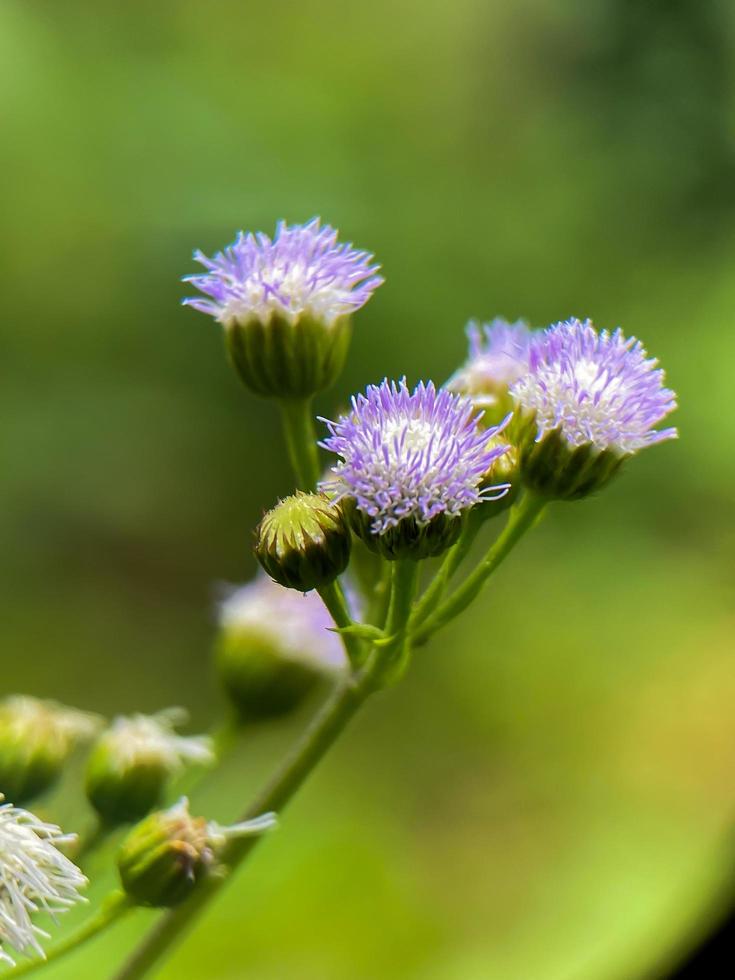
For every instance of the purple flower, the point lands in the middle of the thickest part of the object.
(298, 625)
(595, 387)
(411, 454)
(302, 270)
(498, 356)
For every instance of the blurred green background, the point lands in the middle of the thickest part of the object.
(548, 795)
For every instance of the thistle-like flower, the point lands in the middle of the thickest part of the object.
(593, 398)
(285, 304)
(132, 761)
(498, 356)
(274, 645)
(412, 464)
(34, 877)
(165, 856)
(36, 739)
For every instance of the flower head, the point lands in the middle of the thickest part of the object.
(302, 270)
(596, 388)
(153, 738)
(297, 625)
(132, 761)
(410, 457)
(498, 356)
(163, 858)
(36, 739)
(34, 877)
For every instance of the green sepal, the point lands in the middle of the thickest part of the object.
(281, 358)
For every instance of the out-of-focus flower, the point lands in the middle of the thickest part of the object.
(34, 877)
(165, 856)
(36, 739)
(274, 645)
(498, 356)
(412, 464)
(133, 760)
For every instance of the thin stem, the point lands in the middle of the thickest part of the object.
(307, 753)
(404, 581)
(452, 560)
(298, 428)
(112, 909)
(522, 516)
(333, 598)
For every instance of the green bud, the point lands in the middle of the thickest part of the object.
(408, 539)
(260, 682)
(273, 648)
(36, 739)
(163, 858)
(284, 359)
(131, 763)
(303, 543)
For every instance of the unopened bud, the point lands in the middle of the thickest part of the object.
(304, 542)
(273, 648)
(36, 739)
(165, 856)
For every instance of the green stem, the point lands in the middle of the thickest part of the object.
(112, 909)
(298, 427)
(453, 559)
(522, 516)
(333, 598)
(404, 581)
(307, 753)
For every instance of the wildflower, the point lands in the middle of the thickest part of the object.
(34, 877)
(498, 356)
(412, 464)
(132, 761)
(36, 739)
(274, 646)
(286, 304)
(165, 856)
(593, 398)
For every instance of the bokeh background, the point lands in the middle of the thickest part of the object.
(549, 794)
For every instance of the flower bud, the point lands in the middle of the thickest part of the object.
(165, 856)
(304, 542)
(274, 647)
(36, 739)
(133, 760)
